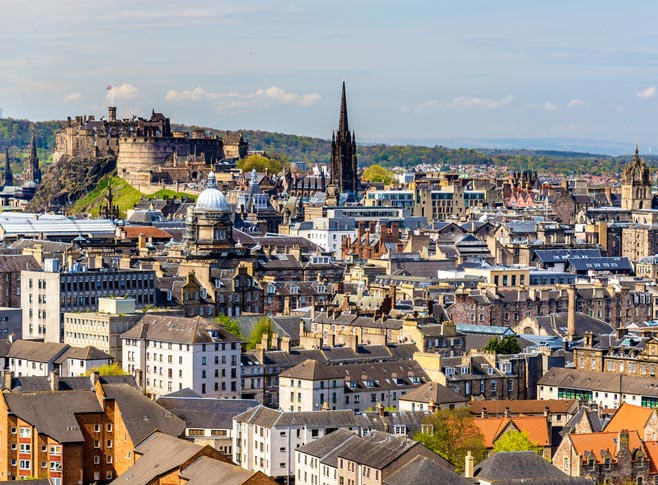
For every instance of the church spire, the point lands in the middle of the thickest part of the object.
(343, 126)
(33, 149)
(8, 179)
(33, 173)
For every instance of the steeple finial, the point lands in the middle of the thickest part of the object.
(343, 126)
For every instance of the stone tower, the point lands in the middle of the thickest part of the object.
(8, 178)
(343, 154)
(33, 172)
(636, 185)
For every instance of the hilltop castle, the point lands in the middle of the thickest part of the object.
(147, 151)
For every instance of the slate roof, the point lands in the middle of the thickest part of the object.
(378, 449)
(322, 447)
(13, 263)
(141, 415)
(84, 353)
(160, 454)
(601, 264)
(555, 324)
(433, 392)
(206, 413)
(527, 407)
(169, 328)
(522, 467)
(423, 470)
(599, 381)
(34, 351)
(53, 413)
(208, 471)
(552, 256)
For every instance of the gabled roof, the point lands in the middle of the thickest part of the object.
(53, 413)
(598, 443)
(522, 467)
(378, 449)
(34, 351)
(632, 418)
(322, 447)
(206, 413)
(423, 470)
(527, 407)
(433, 392)
(208, 471)
(493, 427)
(140, 415)
(168, 328)
(84, 353)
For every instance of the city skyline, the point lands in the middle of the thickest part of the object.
(416, 72)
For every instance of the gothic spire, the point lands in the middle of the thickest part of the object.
(33, 149)
(343, 126)
(8, 179)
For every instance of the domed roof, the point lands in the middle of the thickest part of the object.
(211, 197)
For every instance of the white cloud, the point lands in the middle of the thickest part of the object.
(123, 91)
(650, 92)
(235, 100)
(73, 97)
(548, 106)
(575, 103)
(461, 103)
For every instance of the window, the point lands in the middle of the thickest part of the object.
(25, 448)
(109, 427)
(97, 444)
(25, 432)
(109, 443)
(108, 459)
(97, 428)
(55, 466)
(97, 460)
(25, 464)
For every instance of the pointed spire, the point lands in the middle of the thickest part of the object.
(33, 149)
(8, 179)
(343, 126)
(637, 151)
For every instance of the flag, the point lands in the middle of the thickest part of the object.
(109, 87)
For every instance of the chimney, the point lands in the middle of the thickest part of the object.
(547, 410)
(141, 242)
(373, 227)
(507, 411)
(395, 231)
(392, 294)
(469, 466)
(362, 229)
(483, 413)
(380, 408)
(589, 339)
(302, 329)
(620, 331)
(8, 378)
(54, 380)
(285, 344)
(571, 316)
(265, 341)
(94, 377)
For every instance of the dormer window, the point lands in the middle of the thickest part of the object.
(294, 289)
(370, 383)
(450, 371)
(415, 379)
(464, 369)
(271, 289)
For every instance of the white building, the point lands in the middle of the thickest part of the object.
(30, 358)
(265, 439)
(168, 353)
(317, 462)
(326, 232)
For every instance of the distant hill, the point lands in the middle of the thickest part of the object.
(15, 134)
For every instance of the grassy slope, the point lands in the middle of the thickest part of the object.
(123, 194)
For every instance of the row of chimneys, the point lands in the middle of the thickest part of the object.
(53, 379)
(483, 413)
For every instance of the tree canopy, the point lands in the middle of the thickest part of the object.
(516, 441)
(230, 325)
(452, 433)
(260, 163)
(113, 369)
(507, 345)
(263, 326)
(377, 173)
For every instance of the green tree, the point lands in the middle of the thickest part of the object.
(453, 434)
(108, 370)
(260, 163)
(377, 173)
(516, 441)
(507, 345)
(230, 324)
(263, 326)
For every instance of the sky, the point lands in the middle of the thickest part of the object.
(416, 71)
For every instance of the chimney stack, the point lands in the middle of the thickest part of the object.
(8, 378)
(469, 465)
(54, 380)
(571, 316)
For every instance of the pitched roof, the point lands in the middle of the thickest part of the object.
(208, 471)
(206, 413)
(378, 449)
(133, 232)
(529, 406)
(140, 415)
(433, 392)
(493, 427)
(84, 353)
(598, 443)
(630, 417)
(311, 370)
(160, 454)
(423, 470)
(36, 351)
(169, 328)
(322, 447)
(521, 467)
(53, 413)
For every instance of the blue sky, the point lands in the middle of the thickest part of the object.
(415, 70)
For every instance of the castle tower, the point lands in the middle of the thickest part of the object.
(636, 185)
(33, 172)
(8, 178)
(343, 154)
